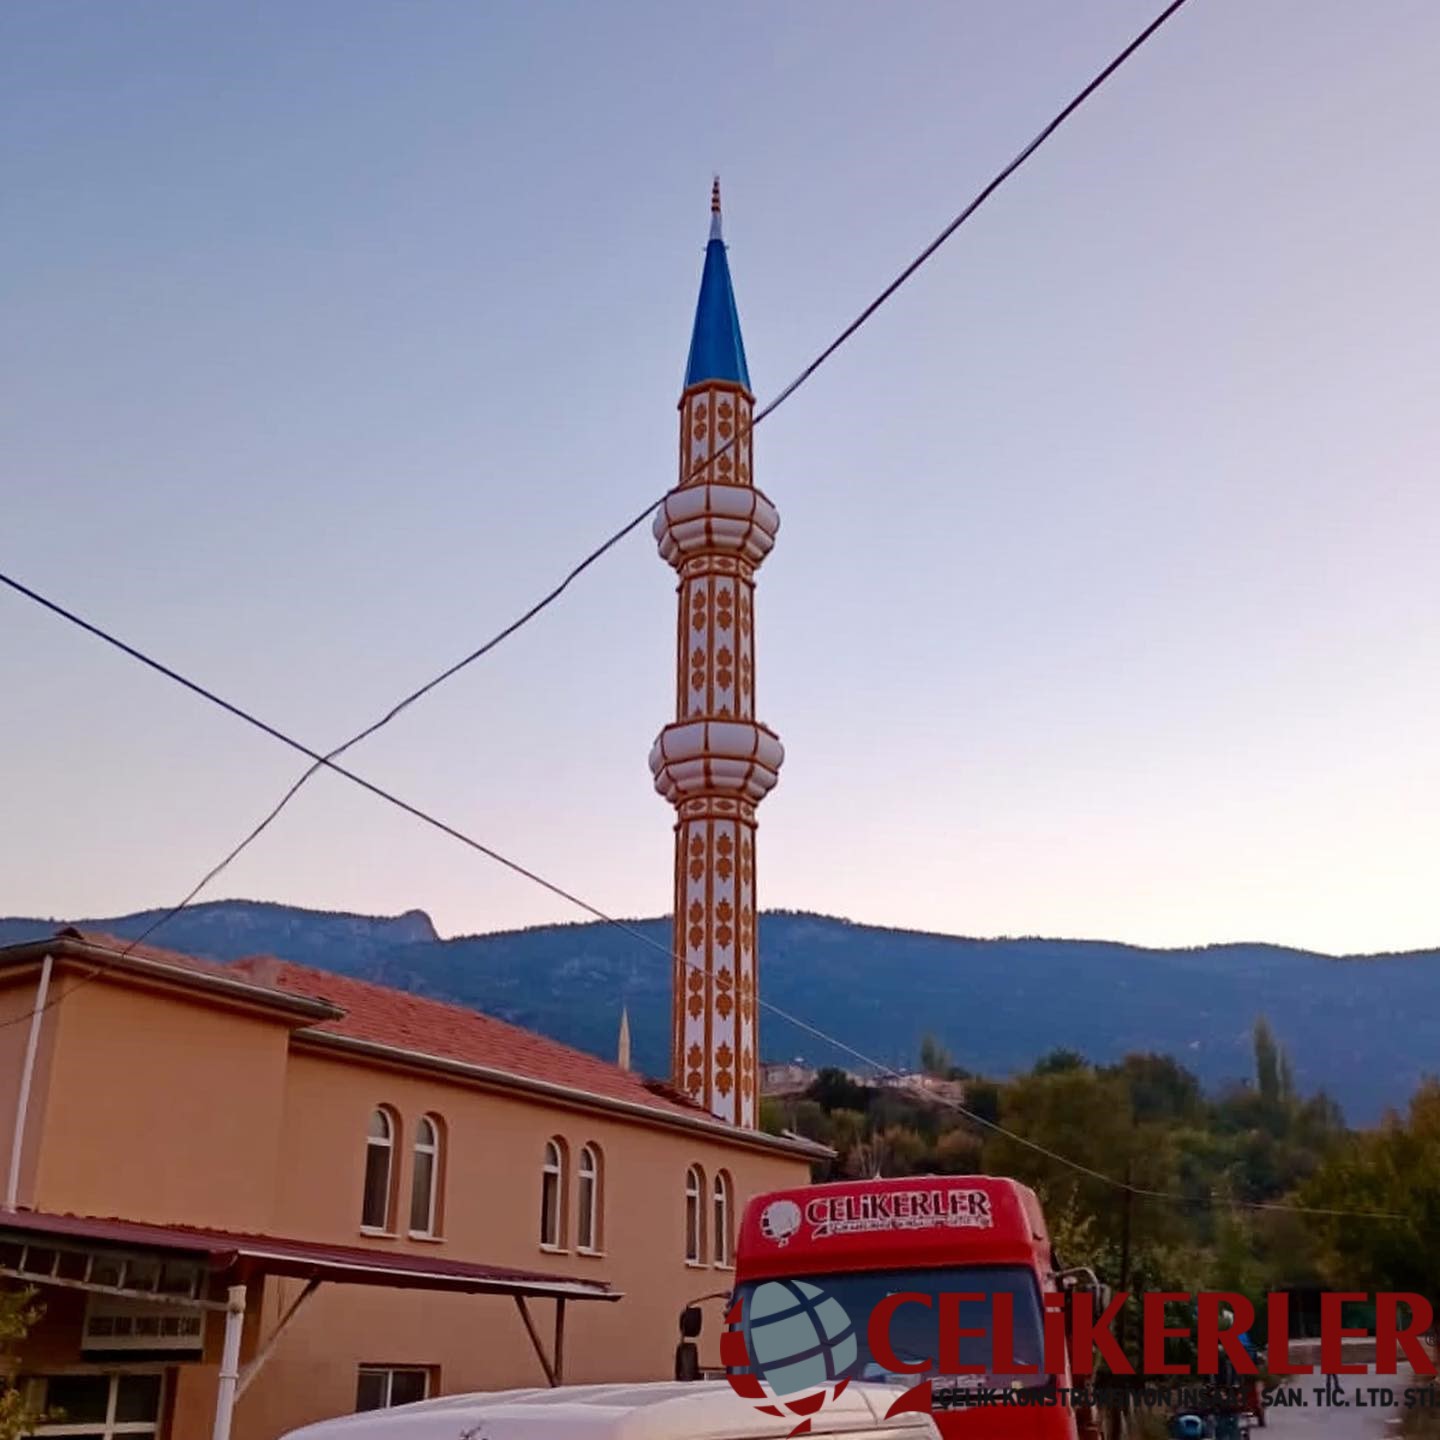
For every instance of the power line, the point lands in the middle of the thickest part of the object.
(321, 761)
(593, 910)
(1141, 1192)
(890, 1072)
(765, 410)
(972, 207)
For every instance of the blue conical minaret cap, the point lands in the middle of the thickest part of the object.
(716, 350)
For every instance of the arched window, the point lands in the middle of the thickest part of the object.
(379, 1164)
(722, 1212)
(552, 1196)
(590, 1220)
(695, 1216)
(425, 1182)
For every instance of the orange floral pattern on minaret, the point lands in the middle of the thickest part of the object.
(715, 762)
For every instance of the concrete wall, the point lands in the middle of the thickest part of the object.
(162, 1107)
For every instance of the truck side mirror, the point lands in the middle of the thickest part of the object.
(687, 1361)
(691, 1320)
(1079, 1277)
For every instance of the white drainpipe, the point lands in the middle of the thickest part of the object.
(229, 1361)
(22, 1106)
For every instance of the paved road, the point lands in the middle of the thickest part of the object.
(1361, 1416)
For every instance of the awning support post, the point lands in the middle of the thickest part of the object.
(263, 1354)
(559, 1351)
(550, 1377)
(229, 1361)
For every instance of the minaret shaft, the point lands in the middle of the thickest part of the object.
(715, 762)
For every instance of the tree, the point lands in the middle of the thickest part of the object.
(1089, 1148)
(907, 1151)
(958, 1152)
(847, 1134)
(897, 1106)
(1160, 1087)
(1392, 1171)
(1075, 1115)
(1058, 1061)
(1073, 1234)
(833, 1089)
(773, 1118)
(18, 1313)
(810, 1120)
(934, 1058)
(982, 1098)
(1269, 1075)
(1236, 1265)
(1092, 1140)
(1287, 1080)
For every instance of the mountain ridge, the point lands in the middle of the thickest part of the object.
(1366, 1028)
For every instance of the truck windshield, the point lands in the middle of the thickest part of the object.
(914, 1328)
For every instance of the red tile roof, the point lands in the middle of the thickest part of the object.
(404, 1021)
(433, 1029)
(453, 1032)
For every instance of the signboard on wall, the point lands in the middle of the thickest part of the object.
(115, 1323)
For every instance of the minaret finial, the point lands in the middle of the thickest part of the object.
(716, 349)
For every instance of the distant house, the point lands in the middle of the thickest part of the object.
(785, 1078)
(923, 1086)
(283, 1194)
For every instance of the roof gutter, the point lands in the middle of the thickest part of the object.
(505, 1080)
(304, 1007)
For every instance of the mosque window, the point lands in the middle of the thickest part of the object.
(552, 1196)
(589, 1212)
(694, 1216)
(723, 1209)
(377, 1202)
(425, 1178)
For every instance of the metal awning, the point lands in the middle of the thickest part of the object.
(117, 1258)
(239, 1257)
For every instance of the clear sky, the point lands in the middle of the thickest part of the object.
(1106, 596)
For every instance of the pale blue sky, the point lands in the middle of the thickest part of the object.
(1106, 594)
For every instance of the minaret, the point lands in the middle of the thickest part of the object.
(622, 1048)
(715, 763)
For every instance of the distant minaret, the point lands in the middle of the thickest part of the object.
(715, 763)
(622, 1056)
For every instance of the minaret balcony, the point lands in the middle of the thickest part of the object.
(714, 519)
(696, 758)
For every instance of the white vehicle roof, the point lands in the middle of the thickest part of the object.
(666, 1410)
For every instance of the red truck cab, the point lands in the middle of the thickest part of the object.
(978, 1236)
